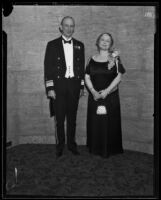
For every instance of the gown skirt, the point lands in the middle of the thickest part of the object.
(104, 133)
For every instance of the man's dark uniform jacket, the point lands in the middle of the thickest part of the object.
(55, 65)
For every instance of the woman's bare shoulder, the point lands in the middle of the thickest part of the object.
(95, 56)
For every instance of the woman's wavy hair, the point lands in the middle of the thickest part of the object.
(99, 37)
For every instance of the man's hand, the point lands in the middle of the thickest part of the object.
(82, 93)
(52, 94)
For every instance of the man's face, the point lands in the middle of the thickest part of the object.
(68, 27)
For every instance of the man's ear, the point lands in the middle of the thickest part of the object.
(60, 29)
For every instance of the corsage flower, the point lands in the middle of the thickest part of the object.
(115, 53)
(112, 58)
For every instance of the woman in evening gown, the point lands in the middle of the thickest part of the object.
(102, 77)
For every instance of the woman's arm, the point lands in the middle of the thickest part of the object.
(114, 83)
(89, 84)
(112, 87)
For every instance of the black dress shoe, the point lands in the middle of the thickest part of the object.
(74, 151)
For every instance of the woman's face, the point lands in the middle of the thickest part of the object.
(104, 42)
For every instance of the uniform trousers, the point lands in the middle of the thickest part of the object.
(67, 98)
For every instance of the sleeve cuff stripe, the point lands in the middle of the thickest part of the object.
(49, 83)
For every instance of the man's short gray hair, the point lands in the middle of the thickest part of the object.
(66, 17)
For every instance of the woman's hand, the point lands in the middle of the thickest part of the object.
(96, 95)
(82, 93)
(103, 93)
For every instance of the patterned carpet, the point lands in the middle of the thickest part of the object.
(39, 173)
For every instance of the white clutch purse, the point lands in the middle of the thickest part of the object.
(101, 110)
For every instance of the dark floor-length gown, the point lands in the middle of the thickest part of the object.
(104, 134)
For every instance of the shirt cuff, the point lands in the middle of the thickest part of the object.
(49, 85)
(82, 84)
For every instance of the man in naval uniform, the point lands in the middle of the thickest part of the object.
(64, 80)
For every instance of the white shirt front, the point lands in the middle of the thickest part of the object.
(68, 51)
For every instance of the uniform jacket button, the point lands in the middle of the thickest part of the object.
(58, 58)
(58, 76)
